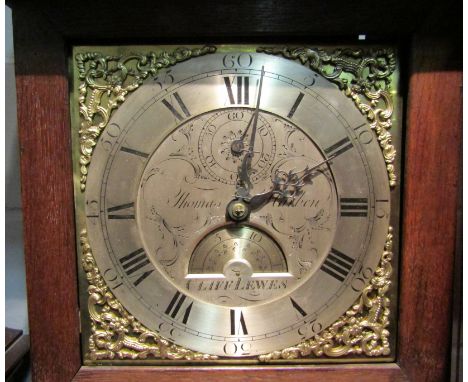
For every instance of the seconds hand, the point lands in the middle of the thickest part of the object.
(243, 191)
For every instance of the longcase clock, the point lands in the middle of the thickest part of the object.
(234, 204)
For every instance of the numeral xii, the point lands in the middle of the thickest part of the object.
(242, 94)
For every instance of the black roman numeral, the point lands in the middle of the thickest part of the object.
(175, 305)
(337, 265)
(238, 323)
(295, 105)
(173, 110)
(298, 308)
(354, 207)
(134, 152)
(134, 262)
(121, 215)
(339, 147)
(242, 84)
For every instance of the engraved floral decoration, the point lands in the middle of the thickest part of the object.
(365, 77)
(115, 333)
(106, 81)
(362, 330)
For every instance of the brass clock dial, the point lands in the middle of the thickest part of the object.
(237, 203)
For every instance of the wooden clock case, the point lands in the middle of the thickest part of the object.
(430, 41)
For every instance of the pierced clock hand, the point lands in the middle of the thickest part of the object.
(286, 185)
(244, 178)
(237, 146)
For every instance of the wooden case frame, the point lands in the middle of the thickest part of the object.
(43, 33)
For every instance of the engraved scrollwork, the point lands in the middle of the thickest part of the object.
(115, 333)
(365, 77)
(362, 330)
(106, 81)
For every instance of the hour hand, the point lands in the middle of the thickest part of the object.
(245, 185)
(286, 185)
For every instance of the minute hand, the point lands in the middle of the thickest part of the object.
(247, 161)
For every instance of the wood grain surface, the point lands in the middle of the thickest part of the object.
(182, 22)
(44, 32)
(47, 198)
(361, 373)
(429, 212)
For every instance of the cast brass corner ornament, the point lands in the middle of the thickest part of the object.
(106, 81)
(116, 334)
(365, 77)
(362, 330)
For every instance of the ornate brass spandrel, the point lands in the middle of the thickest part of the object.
(362, 330)
(365, 77)
(106, 81)
(116, 334)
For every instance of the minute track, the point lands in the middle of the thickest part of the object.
(175, 167)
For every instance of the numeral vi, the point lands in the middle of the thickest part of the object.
(238, 325)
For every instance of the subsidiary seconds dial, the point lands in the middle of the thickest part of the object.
(171, 161)
(215, 145)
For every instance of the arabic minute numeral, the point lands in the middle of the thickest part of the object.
(242, 60)
(239, 348)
